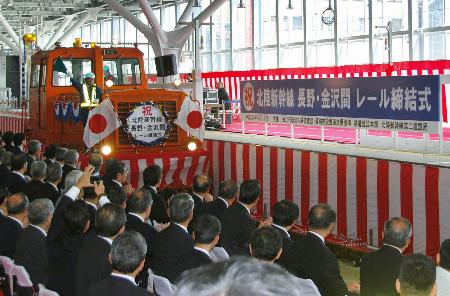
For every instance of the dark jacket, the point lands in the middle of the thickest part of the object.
(92, 263)
(15, 183)
(117, 286)
(196, 258)
(171, 249)
(62, 256)
(223, 96)
(198, 210)
(57, 224)
(237, 226)
(309, 258)
(379, 271)
(149, 233)
(4, 173)
(31, 253)
(9, 232)
(287, 241)
(215, 208)
(39, 189)
(159, 209)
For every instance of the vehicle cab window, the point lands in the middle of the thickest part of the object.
(78, 67)
(122, 71)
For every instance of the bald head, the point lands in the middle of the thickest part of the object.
(17, 204)
(201, 184)
(397, 232)
(321, 216)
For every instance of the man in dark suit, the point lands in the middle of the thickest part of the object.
(139, 207)
(34, 150)
(12, 225)
(75, 181)
(8, 138)
(63, 251)
(5, 167)
(396, 238)
(49, 154)
(70, 164)
(152, 176)
(284, 214)
(54, 176)
(127, 258)
(174, 243)
(93, 263)
(31, 246)
(417, 276)
(309, 258)
(36, 188)
(19, 143)
(206, 235)
(117, 176)
(59, 156)
(200, 193)
(16, 179)
(237, 224)
(228, 192)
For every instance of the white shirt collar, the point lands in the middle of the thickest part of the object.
(1, 212)
(39, 228)
(92, 204)
(17, 220)
(223, 200)
(71, 165)
(137, 215)
(282, 228)
(244, 207)
(124, 276)
(184, 228)
(394, 247)
(117, 183)
(203, 251)
(318, 235)
(154, 188)
(34, 158)
(110, 241)
(19, 173)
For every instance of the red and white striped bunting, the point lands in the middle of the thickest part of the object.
(364, 192)
(177, 167)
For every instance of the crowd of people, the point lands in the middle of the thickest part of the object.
(90, 233)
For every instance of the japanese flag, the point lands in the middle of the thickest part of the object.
(190, 118)
(101, 122)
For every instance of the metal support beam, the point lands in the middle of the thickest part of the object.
(177, 38)
(144, 29)
(8, 29)
(84, 18)
(8, 42)
(153, 21)
(185, 15)
(59, 32)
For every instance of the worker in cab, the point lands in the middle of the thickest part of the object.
(90, 94)
(108, 76)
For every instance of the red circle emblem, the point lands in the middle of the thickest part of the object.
(97, 124)
(195, 119)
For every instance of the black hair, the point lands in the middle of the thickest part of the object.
(18, 161)
(284, 213)
(417, 275)
(18, 138)
(152, 175)
(249, 191)
(75, 216)
(109, 219)
(444, 253)
(206, 228)
(265, 243)
(228, 189)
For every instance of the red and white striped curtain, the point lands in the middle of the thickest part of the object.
(364, 192)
